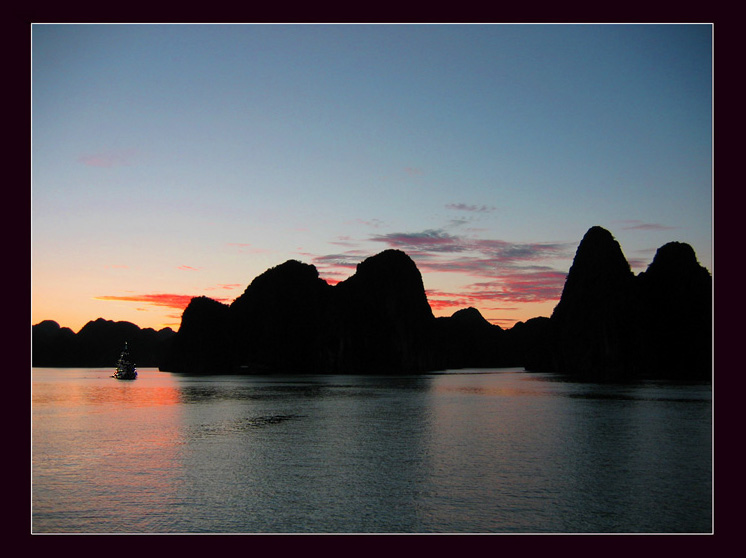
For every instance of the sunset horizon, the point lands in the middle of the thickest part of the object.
(532, 295)
(173, 161)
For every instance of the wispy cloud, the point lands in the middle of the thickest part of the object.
(345, 261)
(636, 225)
(168, 300)
(188, 268)
(637, 263)
(432, 240)
(108, 159)
(460, 222)
(225, 287)
(522, 285)
(373, 223)
(334, 268)
(442, 300)
(345, 242)
(502, 271)
(470, 208)
(513, 286)
(494, 252)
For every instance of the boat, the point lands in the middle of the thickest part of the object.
(125, 367)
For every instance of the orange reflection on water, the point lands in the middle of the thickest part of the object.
(485, 384)
(97, 440)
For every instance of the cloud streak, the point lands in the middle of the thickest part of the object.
(470, 208)
(636, 225)
(225, 286)
(496, 252)
(108, 159)
(515, 286)
(521, 286)
(168, 300)
(503, 272)
(432, 240)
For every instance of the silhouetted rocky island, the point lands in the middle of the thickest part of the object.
(611, 324)
(290, 320)
(608, 325)
(97, 344)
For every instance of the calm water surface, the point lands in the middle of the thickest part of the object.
(487, 451)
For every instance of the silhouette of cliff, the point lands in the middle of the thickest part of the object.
(608, 325)
(277, 323)
(467, 340)
(52, 345)
(612, 325)
(97, 344)
(290, 320)
(675, 323)
(379, 320)
(530, 344)
(594, 320)
(202, 344)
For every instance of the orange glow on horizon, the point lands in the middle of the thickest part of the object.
(164, 309)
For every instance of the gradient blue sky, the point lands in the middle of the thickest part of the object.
(171, 161)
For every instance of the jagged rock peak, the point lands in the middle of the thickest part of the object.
(103, 324)
(292, 279)
(599, 270)
(599, 254)
(387, 261)
(47, 326)
(674, 258)
(470, 316)
(390, 279)
(291, 270)
(390, 270)
(201, 306)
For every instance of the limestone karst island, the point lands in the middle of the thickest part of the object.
(609, 324)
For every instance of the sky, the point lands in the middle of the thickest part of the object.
(173, 161)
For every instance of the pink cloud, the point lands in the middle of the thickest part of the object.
(505, 273)
(337, 267)
(521, 286)
(505, 323)
(517, 286)
(636, 263)
(432, 240)
(468, 265)
(168, 300)
(440, 300)
(188, 268)
(227, 287)
(437, 241)
(108, 159)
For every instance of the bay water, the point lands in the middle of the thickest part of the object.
(467, 451)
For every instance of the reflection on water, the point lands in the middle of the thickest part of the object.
(472, 451)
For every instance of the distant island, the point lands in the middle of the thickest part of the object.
(609, 324)
(97, 344)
